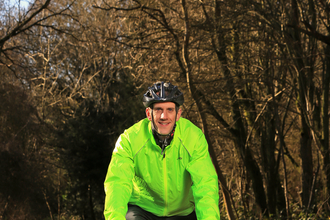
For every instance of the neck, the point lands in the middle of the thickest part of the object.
(163, 140)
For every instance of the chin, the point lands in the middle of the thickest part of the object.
(163, 133)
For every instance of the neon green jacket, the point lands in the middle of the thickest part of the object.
(176, 182)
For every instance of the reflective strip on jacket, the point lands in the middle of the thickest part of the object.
(176, 182)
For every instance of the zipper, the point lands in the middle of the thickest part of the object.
(165, 184)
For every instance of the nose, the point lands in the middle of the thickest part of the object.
(163, 115)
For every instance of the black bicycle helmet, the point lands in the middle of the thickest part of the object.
(163, 92)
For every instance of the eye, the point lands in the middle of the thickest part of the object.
(157, 110)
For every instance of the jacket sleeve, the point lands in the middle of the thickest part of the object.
(118, 181)
(205, 182)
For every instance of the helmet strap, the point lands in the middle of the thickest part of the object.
(162, 140)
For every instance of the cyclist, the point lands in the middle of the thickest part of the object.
(160, 167)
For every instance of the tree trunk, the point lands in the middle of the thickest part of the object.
(307, 167)
(325, 117)
(184, 63)
(303, 102)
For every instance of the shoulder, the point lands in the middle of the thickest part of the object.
(138, 127)
(187, 128)
(188, 132)
(138, 131)
(134, 136)
(191, 136)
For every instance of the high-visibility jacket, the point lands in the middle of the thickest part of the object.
(169, 183)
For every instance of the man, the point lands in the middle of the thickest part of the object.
(160, 167)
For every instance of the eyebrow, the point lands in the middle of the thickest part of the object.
(169, 108)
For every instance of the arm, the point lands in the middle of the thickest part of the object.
(205, 182)
(118, 182)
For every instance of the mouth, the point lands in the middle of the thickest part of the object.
(163, 123)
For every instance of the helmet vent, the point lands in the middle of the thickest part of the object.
(163, 92)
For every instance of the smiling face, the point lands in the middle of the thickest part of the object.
(164, 115)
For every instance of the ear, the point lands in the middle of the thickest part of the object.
(148, 113)
(178, 114)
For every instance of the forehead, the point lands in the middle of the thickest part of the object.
(164, 105)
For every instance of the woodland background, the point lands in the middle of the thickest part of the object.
(255, 74)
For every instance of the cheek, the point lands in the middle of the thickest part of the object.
(173, 118)
(152, 115)
(156, 118)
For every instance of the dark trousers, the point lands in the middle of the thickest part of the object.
(136, 213)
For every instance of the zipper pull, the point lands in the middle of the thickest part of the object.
(163, 151)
